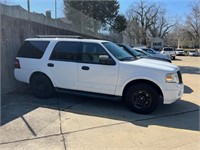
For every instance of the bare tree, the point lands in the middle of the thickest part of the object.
(160, 26)
(193, 22)
(149, 19)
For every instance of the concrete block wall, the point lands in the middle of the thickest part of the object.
(13, 32)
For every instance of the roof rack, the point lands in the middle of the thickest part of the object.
(59, 36)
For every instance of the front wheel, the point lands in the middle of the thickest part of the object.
(42, 86)
(142, 98)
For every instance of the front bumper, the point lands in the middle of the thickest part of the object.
(171, 95)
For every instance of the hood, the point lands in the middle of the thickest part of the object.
(154, 64)
(158, 55)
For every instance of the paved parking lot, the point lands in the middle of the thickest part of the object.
(74, 122)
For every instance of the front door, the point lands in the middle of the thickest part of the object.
(93, 76)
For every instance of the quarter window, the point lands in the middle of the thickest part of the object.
(33, 49)
(65, 51)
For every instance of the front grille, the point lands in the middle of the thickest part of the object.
(180, 77)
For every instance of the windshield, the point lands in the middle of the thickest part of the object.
(116, 51)
(134, 52)
(151, 51)
(141, 52)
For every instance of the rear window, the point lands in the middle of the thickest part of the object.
(33, 49)
(168, 49)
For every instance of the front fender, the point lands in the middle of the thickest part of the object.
(120, 88)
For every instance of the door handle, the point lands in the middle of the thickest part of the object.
(50, 65)
(85, 68)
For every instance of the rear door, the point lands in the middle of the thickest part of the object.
(63, 64)
(93, 76)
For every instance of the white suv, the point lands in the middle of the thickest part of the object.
(96, 68)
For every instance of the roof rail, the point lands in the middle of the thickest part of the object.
(59, 36)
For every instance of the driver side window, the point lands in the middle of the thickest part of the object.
(91, 53)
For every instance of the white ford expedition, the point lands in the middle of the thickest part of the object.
(96, 67)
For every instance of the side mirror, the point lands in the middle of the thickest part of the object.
(104, 59)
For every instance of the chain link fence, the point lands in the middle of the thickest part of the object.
(61, 23)
(87, 26)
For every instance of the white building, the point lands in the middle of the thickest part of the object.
(157, 43)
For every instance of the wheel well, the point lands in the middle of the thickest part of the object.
(38, 73)
(142, 81)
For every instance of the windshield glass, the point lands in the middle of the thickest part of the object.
(134, 52)
(151, 51)
(119, 53)
(142, 53)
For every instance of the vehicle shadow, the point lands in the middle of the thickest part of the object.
(180, 115)
(190, 70)
(187, 89)
(177, 59)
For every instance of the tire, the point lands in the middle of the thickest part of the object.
(142, 98)
(42, 86)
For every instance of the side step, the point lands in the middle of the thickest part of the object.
(90, 94)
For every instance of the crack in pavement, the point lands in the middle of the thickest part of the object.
(23, 140)
(124, 122)
(132, 121)
(59, 115)
(29, 127)
(77, 103)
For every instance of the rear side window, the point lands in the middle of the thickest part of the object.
(33, 49)
(66, 51)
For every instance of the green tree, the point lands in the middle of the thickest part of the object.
(79, 12)
(119, 24)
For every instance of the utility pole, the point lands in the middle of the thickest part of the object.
(28, 6)
(55, 9)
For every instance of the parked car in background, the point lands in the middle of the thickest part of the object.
(156, 55)
(193, 52)
(97, 68)
(139, 53)
(180, 52)
(169, 51)
(156, 49)
(150, 51)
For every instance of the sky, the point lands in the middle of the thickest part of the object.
(175, 8)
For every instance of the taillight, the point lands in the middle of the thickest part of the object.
(17, 64)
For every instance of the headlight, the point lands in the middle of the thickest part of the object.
(172, 78)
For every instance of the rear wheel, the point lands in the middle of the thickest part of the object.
(42, 86)
(142, 98)
(173, 57)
